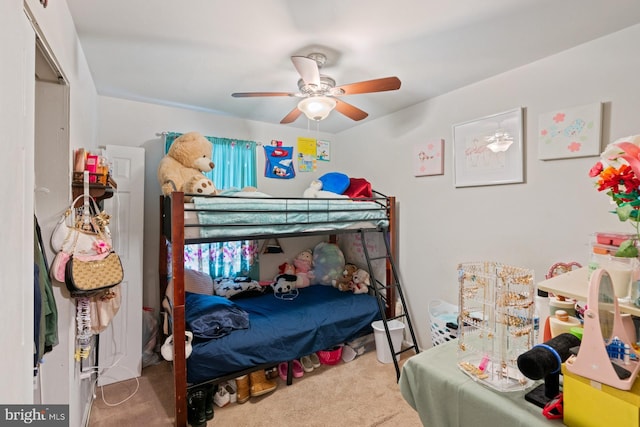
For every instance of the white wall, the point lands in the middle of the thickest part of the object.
(548, 218)
(16, 186)
(17, 40)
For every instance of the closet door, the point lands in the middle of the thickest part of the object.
(120, 345)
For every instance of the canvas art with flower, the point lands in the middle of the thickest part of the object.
(618, 173)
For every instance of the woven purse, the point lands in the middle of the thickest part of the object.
(88, 277)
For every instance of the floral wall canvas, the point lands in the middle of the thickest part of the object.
(570, 132)
(428, 158)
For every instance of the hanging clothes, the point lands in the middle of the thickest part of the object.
(48, 319)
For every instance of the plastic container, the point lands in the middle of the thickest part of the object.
(614, 239)
(443, 316)
(396, 330)
(561, 323)
(330, 356)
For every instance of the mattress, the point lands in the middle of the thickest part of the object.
(282, 330)
(241, 217)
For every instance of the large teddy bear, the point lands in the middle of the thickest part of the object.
(181, 169)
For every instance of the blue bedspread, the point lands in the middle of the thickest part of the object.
(280, 330)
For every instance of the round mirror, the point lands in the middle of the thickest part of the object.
(606, 308)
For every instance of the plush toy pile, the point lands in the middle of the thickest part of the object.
(181, 169)
(324, 265)
(345, 282)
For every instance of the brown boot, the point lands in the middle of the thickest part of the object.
(243, 388)
(260, 384)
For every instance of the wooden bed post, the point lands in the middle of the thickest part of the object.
(391, 296)
(177, 273)
(163, 269)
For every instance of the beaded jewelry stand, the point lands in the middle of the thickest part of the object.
(496, 317)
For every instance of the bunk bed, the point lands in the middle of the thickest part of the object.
(187, 219)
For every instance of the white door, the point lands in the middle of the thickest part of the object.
(120, 345)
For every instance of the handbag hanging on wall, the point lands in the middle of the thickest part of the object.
(86, 277)
(85, 261)
(104, 307)
(85, 233)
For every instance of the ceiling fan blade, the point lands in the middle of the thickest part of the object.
(354, 113)
(376, 85)
(253, 94)
(292, 116)
(308, 69)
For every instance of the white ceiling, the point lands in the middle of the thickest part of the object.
(195, 53)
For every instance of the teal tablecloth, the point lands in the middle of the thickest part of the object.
(444, 396)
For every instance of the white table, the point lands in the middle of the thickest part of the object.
(575, 284)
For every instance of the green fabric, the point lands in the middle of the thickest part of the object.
(49, 313)
(234, 159)
(444, 396)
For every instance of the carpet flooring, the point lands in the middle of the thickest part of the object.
(361, 393)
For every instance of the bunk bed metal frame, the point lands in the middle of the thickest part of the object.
(172, 233)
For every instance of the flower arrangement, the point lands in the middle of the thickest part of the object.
(618, 173)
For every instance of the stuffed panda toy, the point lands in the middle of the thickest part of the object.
(284, 286)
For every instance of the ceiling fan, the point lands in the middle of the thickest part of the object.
(319, 92)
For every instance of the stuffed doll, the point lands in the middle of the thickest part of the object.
(302, 264)
(360, 282)
(345, 282)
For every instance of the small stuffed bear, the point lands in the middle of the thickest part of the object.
(360, 282)
(181, 169)
(302, 264)
(345, 282)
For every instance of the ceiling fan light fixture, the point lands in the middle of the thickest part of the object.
(500, 141)
(317, 107)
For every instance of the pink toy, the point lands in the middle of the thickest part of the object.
(302, 264)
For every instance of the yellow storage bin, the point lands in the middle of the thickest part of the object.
(588, 403)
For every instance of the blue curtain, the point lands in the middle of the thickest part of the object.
(235, 167)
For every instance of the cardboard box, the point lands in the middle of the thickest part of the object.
(589, 403)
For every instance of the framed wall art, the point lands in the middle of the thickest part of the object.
(489, 150)
(428, 158)
(570, 132)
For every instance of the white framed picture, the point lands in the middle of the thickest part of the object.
(489, 150)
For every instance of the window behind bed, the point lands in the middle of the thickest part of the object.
(235, 167)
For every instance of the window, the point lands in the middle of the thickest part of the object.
(235, 168)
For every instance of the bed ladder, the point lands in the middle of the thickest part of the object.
(385, 291)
